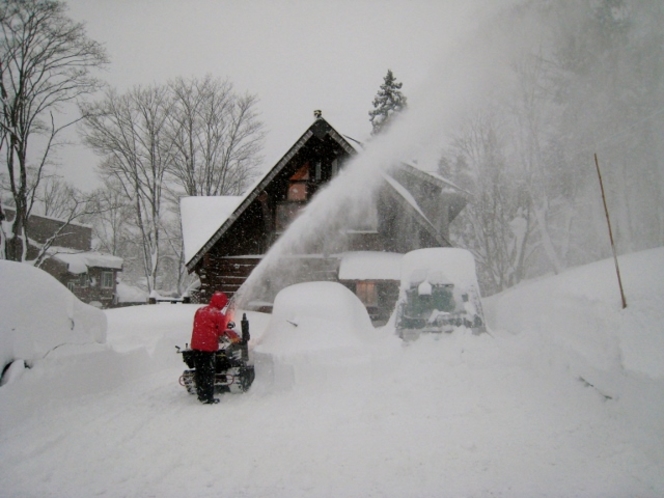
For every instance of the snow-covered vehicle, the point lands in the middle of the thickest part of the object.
(438, 293)
(233, 371)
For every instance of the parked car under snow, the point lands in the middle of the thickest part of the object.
(438, 293)
(316, 333)
(39, 314)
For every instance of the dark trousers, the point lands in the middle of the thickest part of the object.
(204, 375)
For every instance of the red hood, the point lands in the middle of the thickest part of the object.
(218, 300)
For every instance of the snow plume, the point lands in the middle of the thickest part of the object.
(469, 72)
(319, 230)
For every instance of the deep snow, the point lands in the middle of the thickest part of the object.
(564, 397)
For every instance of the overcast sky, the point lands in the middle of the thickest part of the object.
(296, 56)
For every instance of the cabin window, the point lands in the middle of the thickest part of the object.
(71, 285)
(297, 187)
(107, 280)
(297, 191)
(367, 292)
(84, 280)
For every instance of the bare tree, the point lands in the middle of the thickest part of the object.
(55, 197)
(128, 132)
(497, 224)
(78, 206)
(217, 137)
(111, 221)
(45, 61)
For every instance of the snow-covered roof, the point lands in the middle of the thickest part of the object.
(431, 176)
(79, 262)
(404, 193)
(407, 199)
(370, 265)
(201, 218)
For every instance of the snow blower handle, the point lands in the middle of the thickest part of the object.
(245, 329)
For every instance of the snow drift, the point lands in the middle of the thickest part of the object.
(580, 311)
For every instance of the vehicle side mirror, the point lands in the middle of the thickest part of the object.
(231, 325)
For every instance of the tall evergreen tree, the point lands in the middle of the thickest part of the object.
(388, 100)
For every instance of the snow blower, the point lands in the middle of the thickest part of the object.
(233, 372)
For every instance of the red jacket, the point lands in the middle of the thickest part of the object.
(210, 324)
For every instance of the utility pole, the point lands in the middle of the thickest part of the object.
(613, 246)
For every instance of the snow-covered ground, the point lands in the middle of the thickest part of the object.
(564, 397)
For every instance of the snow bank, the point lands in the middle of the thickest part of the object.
(39, 314)
(580, 311)
(130, 294)
(500, 414)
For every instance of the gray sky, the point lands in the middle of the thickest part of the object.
(295, 55)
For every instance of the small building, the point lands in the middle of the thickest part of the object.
(91, 276)
(226, 237)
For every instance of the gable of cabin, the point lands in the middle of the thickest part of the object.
(282, 199)
(270, 207)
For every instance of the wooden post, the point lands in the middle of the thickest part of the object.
(613, 247)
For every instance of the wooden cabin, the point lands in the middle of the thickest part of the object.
(226, 237)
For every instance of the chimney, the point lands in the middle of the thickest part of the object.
(318, 114)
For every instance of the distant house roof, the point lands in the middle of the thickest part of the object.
(80, 262)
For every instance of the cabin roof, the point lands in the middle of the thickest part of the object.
(401, 195)
(206, 219)
(201, 218)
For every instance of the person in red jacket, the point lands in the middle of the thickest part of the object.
(210, 324)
